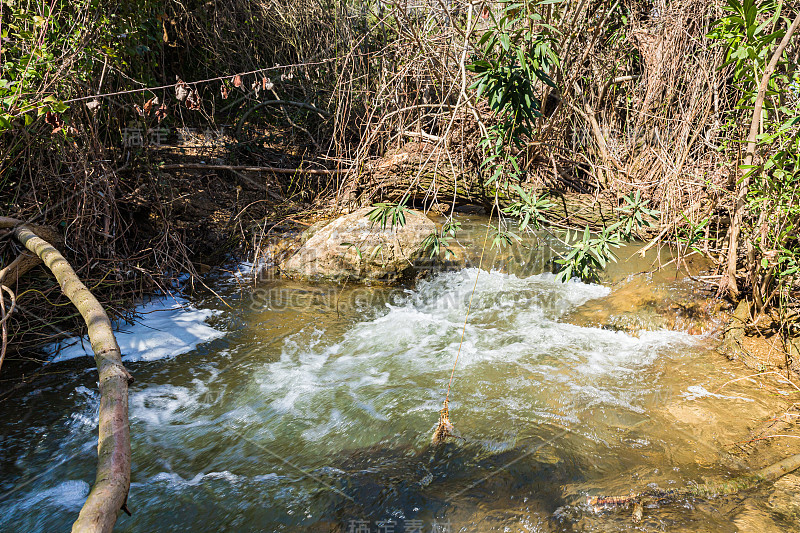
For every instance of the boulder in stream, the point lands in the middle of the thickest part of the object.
(354, 248)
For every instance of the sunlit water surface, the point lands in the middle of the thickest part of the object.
(314, 412)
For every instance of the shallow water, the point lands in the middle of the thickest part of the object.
(314, 412)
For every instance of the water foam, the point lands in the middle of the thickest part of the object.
(164, 327)
(397, 364)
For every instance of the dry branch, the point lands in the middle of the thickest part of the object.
(767, 474)
(274, 170)
(18, 267)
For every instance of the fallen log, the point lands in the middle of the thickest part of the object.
(422, 178)
(110, 491)
(425, 177)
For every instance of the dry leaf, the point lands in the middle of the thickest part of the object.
(162, 17)
(267, 84)
(181, 90)
(224, 91)
(51, 118)
(193, 100)
(54, 120)
(148, 106)
(237, 81)
(161, 113)
(138, 110)
(93, 105)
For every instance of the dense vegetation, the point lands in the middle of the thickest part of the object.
(680, 114)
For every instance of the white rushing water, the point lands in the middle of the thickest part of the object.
(391, 371)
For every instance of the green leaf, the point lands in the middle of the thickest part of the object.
(505, 41)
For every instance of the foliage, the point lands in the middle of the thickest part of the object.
(590, 254)
(438, 242)
(49, 50)
(542, 75)
(517, 52)
(634, 215)
(530, 208)
(749, 32)
(503, 237)
(393, 214)
(692, 234)
(515, 61)
(517, 57)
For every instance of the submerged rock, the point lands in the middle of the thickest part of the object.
(354, 248)
(638, 306)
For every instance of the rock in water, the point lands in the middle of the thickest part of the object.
(354, 248)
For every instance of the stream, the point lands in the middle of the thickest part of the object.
(310, 407)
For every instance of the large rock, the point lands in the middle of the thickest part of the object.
(354, 248)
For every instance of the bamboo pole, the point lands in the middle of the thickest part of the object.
(110, 491)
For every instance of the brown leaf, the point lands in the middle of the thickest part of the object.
(237, 81)
(193, 100)
(148, 106)
(267, 84)
(139, 110)
(54, 120)
(161, 113)
(181, 90)
(225, 92)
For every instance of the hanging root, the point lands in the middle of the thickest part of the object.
(444, 428)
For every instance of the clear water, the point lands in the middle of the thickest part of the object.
(315, 410)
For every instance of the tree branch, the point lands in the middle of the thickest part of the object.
(110, 491)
